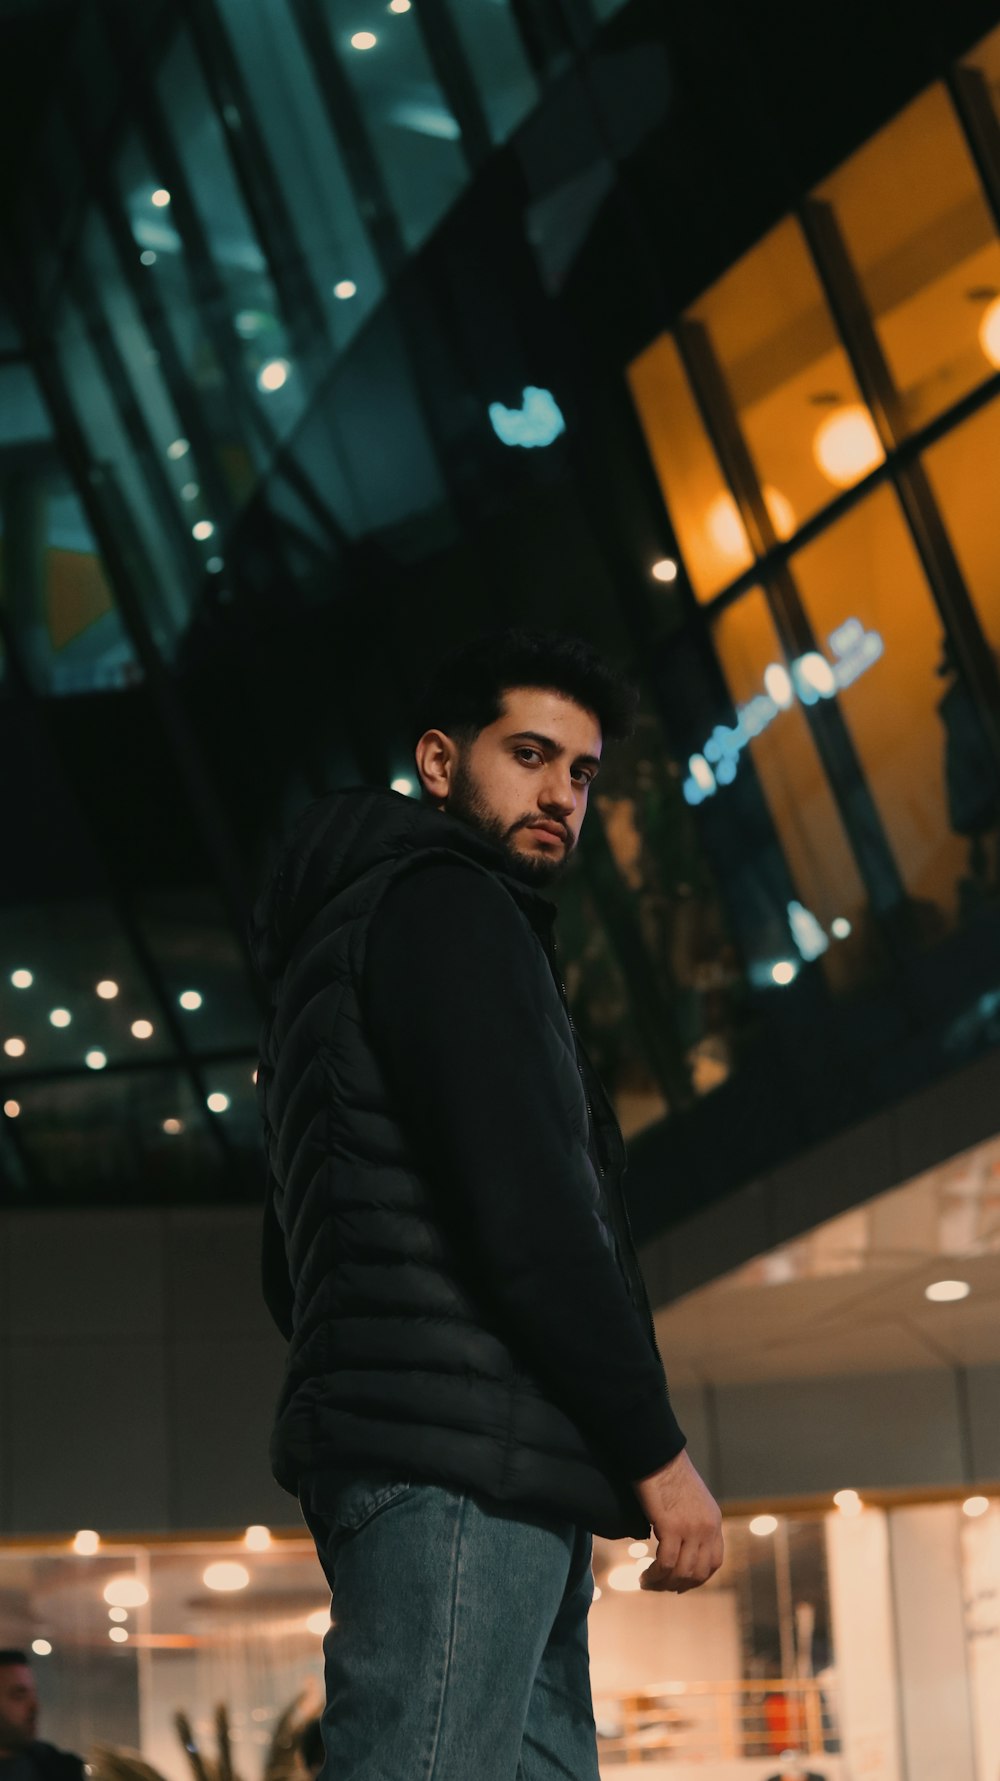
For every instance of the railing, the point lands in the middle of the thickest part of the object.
(718, 1720)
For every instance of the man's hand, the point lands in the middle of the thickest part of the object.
(687, 1527)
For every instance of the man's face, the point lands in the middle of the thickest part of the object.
(18, 1707)
(523, 782)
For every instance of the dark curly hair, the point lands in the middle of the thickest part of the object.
(465, 692)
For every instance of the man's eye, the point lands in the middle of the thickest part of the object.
(533, 752)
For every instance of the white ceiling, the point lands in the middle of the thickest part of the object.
(849, 1296)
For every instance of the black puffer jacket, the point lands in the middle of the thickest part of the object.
(396, 1361)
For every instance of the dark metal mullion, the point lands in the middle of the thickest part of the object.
(119, 901)
(970, 95)
(926, 526)
(835, 745)
(150, 308)
(262, 190)
(541, 33)
(347, 123)
(450, 63)
(129, 1066)
(209, 291)
(134, 422)
(123, 558)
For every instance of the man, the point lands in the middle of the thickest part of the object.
(473, 1386)
(22, 1757)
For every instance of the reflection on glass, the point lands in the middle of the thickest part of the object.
(254, 316)
(197, 958)
(960, 468)
(490, 38)
(788, 378)
(921, 239)
(819, 858)
(307, 160)
(656, 847)
(97, 1135)
(895, 711)
(412, 130)
(702, 510)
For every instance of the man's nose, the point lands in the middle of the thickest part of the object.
(559, 794)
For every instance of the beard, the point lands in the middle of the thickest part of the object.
(467, 803)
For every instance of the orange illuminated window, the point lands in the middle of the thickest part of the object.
(704, 515)
(798, 794)
(921, 239)
(865, 569)
(962, 470)
(789, 379)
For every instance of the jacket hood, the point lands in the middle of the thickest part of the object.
(336, 841)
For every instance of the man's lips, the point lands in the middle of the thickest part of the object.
(544, 828)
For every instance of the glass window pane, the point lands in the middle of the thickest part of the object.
(90, 650)
(307, 159)
(492, 42)
(960, 470)
(95, 1137)
(254, 312)
(414, 135)
(812, 836)
(922, 241)
(789, 379)
(865, 570)
(702, 511)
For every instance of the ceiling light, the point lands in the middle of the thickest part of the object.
(345, 288)
(95, 1060)
(107, 989)
(780, 512)
(257, 1538)
(664, 570)
(41, 1647)
(364, 40)
(725, 527)
(989, 332)
(405, 786)
(86, 1541)
(848, 1502)
(147, 257)
(126, 1592)
(946, 1292)
(60, 1017)
(225, 1576)
(161, 197)
(214, 565)
(178, 448)
(12, 1109)
(142, 1029)
(173, 1126)
(975, 1506)
(22, 979)
(202, 529)
(14, 1047)
(318, 1622)
(639, 1549)
(190, 999)
(118, 1635)
(189, 491)
(217, 1103)
(778, 685)
(840, 927)
(598, 1592)
(762, 1525)
(273, 375)
(399, 5)
(784, 972)
(118, 1615)
(847, 446)
(254, 1079)
(626, 1577)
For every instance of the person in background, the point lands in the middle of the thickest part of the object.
(22, 1756)
(473, 1385)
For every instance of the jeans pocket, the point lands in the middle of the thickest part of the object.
(348, 1504)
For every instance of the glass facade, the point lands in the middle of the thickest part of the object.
(296, 287)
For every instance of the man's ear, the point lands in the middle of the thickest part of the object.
(436, 756)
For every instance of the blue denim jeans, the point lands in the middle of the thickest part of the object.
(458, 1650)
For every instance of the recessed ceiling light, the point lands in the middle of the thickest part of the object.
(345, 288)
(946, 1292)
(257, 1538)
(95, 1060)
(12, 1109)
(60, 1017)
(142, 1029)
(41, 1647)
(15, 1047)
(126, 1592)
(118, 1615)
(318, 1622)
(218, 1103)
(273, 375)
(86, 1541)
(762, 1525)
(973, 1507)
(664, 570)
(364, 40)
(117, 1635)
(107, 989)
(173, 1126)
(190, 999)
(161, 197)
(178, 448)
(202, 529)
(147, 257)
(22, 979)
(225, 1576)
